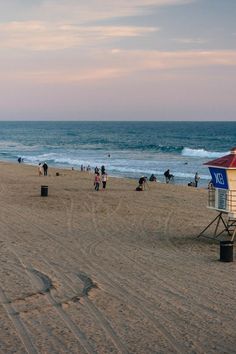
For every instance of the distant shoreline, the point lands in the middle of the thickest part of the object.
(62, 168)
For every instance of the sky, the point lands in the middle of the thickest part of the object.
(118, 60)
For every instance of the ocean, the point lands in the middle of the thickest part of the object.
(127, 149)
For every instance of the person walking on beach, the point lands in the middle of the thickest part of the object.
(196, 179)
(168, 176)
(45, 169)
(97, 181)
(40, 171)
(104, 180)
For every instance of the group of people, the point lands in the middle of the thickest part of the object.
(100, 178)
(194, 183)
(84, 168)
(142, 183)
(43, 169)
(168, 177)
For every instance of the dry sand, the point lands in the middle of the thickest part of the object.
(118, 271)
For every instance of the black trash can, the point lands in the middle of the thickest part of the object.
(44, 191)
(226, 251)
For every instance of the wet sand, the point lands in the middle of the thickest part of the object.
(115, 271)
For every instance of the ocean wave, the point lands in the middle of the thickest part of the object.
(187, 152)
(151, 148)
(54, 159)
(169, 149)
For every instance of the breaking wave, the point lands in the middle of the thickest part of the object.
(187, 152)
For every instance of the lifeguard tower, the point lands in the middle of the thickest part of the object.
(222, 194)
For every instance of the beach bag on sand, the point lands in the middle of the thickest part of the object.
(139, 189)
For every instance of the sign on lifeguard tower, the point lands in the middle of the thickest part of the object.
(219, 178)
(222, 192)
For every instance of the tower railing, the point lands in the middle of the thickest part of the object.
(222, 199)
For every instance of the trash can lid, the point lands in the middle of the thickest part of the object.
(226, 243)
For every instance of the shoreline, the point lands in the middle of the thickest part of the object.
(60, 167)
(135, 149)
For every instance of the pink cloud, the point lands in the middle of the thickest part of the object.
(44, 36)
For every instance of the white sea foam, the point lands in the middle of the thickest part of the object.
(131, 167)
(187, 152)
(39, 157)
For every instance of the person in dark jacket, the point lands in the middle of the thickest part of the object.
(168, 176)
(103, 170)
(152, 178)
(45, 169)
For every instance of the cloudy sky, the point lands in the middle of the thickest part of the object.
(117, 60)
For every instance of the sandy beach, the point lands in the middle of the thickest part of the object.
(115, 271)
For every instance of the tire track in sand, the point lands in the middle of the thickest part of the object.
(46, 286)
(100, 319)
(131, 298)
(20, 328)
(43, 285)
(117, 289)
(135, 303)
(93, 310)
(182, 297)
